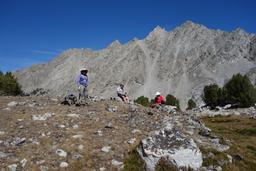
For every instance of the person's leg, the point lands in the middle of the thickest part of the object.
(126, 98)
(121, 96)
(85, 93)
(79, 93)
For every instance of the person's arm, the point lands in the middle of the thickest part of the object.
(86, 81)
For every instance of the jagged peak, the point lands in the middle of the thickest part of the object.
(135, 39)
(158, 28)
(76, 50)
(87, 49)
(239, 31)
(157, 31)
(114, 44)
(191, 25)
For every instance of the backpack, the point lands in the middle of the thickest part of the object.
(69, 99)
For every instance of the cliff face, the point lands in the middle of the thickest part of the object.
(180, 62)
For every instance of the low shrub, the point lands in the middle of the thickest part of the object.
(172, 100)
(191, 104)
(211, 95)
(133, 161)
(144, 101)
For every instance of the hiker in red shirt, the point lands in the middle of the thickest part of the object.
(159, 99)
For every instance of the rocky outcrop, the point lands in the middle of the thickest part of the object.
(172, 145)
(180, 62)
(177, 142)
(225, 111)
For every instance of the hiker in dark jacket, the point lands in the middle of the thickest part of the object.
(82, 84)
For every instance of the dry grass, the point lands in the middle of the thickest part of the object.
(133, 162)
(163, 165)
(240, 130)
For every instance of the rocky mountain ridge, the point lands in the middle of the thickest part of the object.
(180, 62)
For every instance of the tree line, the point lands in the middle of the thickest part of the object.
(9, 85)
(238, 91)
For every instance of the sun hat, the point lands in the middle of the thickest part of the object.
(158, 93)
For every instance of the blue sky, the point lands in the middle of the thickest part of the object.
(36, 31)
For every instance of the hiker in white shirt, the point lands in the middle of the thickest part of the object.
(121, 93)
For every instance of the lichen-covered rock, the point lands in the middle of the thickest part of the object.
(106, 149)
(172, 145)
(12, 167)
(42, 117)
(61, 153)
(63, 164)
(12, 104)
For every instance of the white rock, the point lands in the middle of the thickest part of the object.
(169, 108)
(106, 149)
(2, 132)
(62, 126)
(18, 141)
(99, 132)
(35, 142)
(172, 145)
(131, 141)
(12, 167)
(44, 168)
(230, 159)
(218, 168)
(136, 131)
(61, 153)
(203, 169)
(42, 117)
(227, 106)
(80, 147)
(40, 162)
(32, 105)
(55, 100)
(7, 109)
(75, 126)
(112, 108)
(22, 103)
(77, 156)
(79, 136)
(4, 155)
(23, 162)
(12, 104)
(73, 115)
(236, 113)
(102, 168)
(63, 164)
(116, 163)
